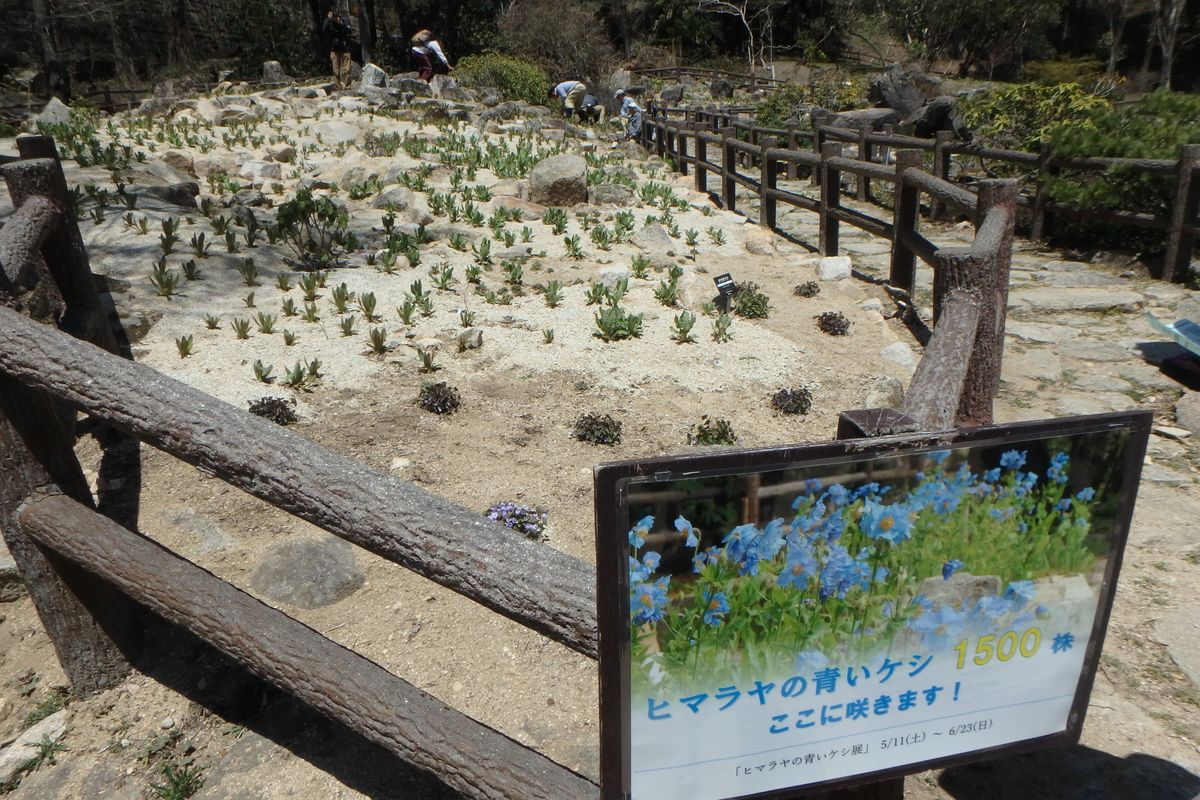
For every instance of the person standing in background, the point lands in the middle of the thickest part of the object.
(425, 48)
(341, 38)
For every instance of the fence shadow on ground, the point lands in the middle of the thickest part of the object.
(183, 663)
(1071, 773)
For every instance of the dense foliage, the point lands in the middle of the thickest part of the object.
(515, 78)
(832, 90)
(1023, 116)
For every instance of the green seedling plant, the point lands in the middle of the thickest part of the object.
(474, 274)
(181, 781)
(426, 355)
(596, 294)
(366, 304)
(241, 328)
(720, 328)
(184, 345)
(573, 247)
(341, 297)
(143, 226)
(466, 317)
(483, 252)
(514, 273)
(602, 237)
(640, 266)
(265, 322)
(212, 321)
(249, 300)
(405, 311)
(377, 337)
(249, 272)
(458, 242)
(716, 236)
(553, 294)
(289, 338)
(614, 323)
(283, 283)
(615, 293)
(681, 330)
(309, 284)
(262, 372)
(425, 306)
(231, 242)
(347, 325)
(191, 270)
(199, 245)
(548, 336)
(296, 377)
(443, 277)
(310, 313)
(288, 308)
(556, 218)
(165, 281)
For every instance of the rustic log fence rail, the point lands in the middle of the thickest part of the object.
(89, 575)
(669, 131)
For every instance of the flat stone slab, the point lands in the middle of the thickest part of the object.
(1093, 403)
(309, 573)
(1180, 631)
(1081, 279)
(19, 753)
(1072, 299)
(1040, 332)
(1091, 350)
(1038, 365)
(1160, 474)
(1096, 382)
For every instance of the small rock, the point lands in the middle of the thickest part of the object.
(609, 277)
(1179, 434)
(760, 244)
(514, 203)
(610, 194)
(874, 304)
(181, 160)
(272, 72)
(309, 573)
(1179, 630)
(283, 153)
(899, 353)
(372, 76)
(167, 723)
(470, 339)
(1160, 474)
(834, 268)
(672, 94)
(654, 238)
(886, 392)
(12, 588)
(54, 112)
(399, 463)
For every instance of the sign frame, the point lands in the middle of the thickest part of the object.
(612, 524)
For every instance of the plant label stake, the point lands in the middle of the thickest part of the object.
(725, 286)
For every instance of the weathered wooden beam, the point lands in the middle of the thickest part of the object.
(902, 272)
(469, 757)
(831, 199)
(933, 393)
(1180, 240)
(21, 241)
(533, 584)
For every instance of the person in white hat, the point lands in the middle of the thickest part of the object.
(631, 112)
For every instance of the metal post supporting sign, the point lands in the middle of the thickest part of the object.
(788, 622)
(725, 287)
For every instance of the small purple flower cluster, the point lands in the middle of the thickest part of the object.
(523, 519)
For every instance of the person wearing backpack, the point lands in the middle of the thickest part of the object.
(425, 48)
(341, 39)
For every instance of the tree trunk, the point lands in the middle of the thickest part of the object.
(1166, 28)
(45, 30)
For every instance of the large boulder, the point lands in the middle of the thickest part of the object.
(672, 94)
(55, 112)
(559, 181)
(439, 85)
(272, 72)
(720, 89)
(939, 114)
(902, 89)
(373, 76)
(515, 203)
(410, 83)
(610, 194)
(873, 118)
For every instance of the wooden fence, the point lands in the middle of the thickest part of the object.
(1180, 224)
(90, 574)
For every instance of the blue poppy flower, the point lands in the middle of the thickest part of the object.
(888, 522)
(950, 567)
(801, 566)
(638, 532)
(1013, 459)
(683, 526)
(810, 661)
(1058, 467)
(992, 475)
(716, 606)
(648, 601)
(1085, 495)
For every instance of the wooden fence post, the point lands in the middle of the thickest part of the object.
(818, 134)
(767, 181)
(681, 157)
(941, 169)
(792, 144)
(1181, 241)
(1039, 226)
(906, 202)
(831, 198)
(982, 381)
(701, 174)
(728, 170)
(865, 153)
(660, 136)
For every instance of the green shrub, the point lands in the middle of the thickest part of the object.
(836, 91)
(515, 78)
(1154, 127)
(1084, 70)
(1023, 116)
(315, 229)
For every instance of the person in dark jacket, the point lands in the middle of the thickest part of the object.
(341, 38)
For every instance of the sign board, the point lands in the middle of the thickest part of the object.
(725, 284)
(781, 621)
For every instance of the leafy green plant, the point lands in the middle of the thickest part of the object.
(180, 781)
(681, 330)
(1024, 116)
(807, 289)
(165, 281)
(191, 270)
(553, 294)
(466, 317)
(241, 328)
(836, 91)
(483, 252)
(377, 337)
(797, 400)
(406, 311)
(443, 277)
(366, 304)
(262, 372)
(596, 294)
(231, 243)
(833, 323)
(427, 354)
(640, 266)
(347, 325)
(199, 245)
(513, 274)
(309, 284)
(212, 321)
(547, 335)
(296, 377)
(556, 218)
(249, 299)
(265, 322)
(614, 323)
(289, 338)
(249, 272)
(439, 398)
(750, 302)
(720, 328)
(597, 429)
(310, 312)
(573, 247)
(315, 229)
(712, 431)
(341, 296)
(716, 236)
(514, 77)
(184, 345)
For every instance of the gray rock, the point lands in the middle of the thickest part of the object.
(873, 118)
(17, 754)
(514, 203)
(372, 76)
(1088, 350)
(672, 94)
(410, 83)
(834, 268)
(620, 79)
(1070, 405)
(180, 160)
(55, 112)
(443, 86)
(1072, 299)
(211, 535)
(176, 194)
(610, 194)
(11, 586)
(1179, 630)
(901, 354)
(720, 89)
(1160, 474)
(961, 590)
(250, 198)
(283, 153)
(886, 392)
(400, 197)
(470, 339)
(899, 88)
(940, 114)
(490, 97)
(609, 277)
(1032, 364)
(272, 72)
(335, 131)
(1187, 412)
(1040, 332)
(1096, 382)
(309, 573)
(559, 181)
(518, 252)
(137, 322)
(653, 238)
